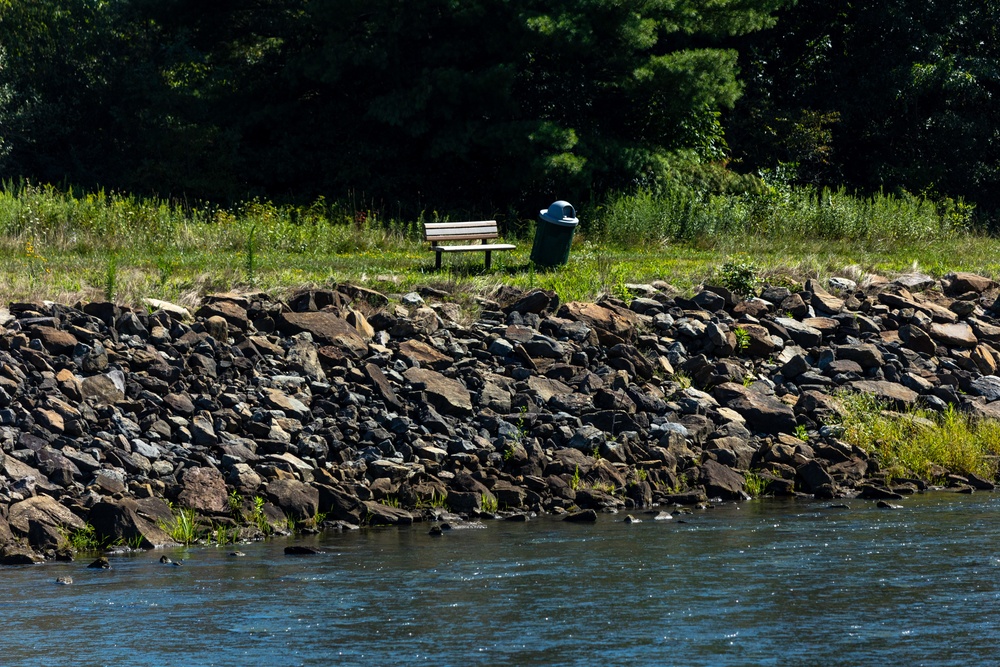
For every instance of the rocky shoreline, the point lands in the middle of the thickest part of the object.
(345, 407)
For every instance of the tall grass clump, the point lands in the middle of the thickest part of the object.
(184, 528)
(111, 278)
(644, 218)
(774, 211)
(250, 256)
(919, 442)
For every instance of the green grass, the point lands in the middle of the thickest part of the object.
(489, 504)
(755, 485)
(69, 247)
(258, 517)
(84, 539)
(435, 500)
(920, 442)
(184, 528)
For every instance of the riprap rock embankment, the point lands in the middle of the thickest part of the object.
(356, 408)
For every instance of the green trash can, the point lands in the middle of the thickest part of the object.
(554, 235)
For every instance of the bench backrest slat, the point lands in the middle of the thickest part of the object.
(460, 231)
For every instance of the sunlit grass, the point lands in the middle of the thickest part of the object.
(919, 442)
(54, 245)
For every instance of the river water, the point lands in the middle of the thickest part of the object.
(767, 582)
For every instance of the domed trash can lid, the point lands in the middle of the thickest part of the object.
(560, 213)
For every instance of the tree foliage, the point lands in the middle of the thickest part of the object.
(426, 103)
(487, 104)
(899, 94)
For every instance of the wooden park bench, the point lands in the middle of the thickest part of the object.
(483, 230)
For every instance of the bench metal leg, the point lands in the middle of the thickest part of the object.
(489, 259)
(437, 260)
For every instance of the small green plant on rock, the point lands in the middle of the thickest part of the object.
(683, 379)
(489, 504)
(522, 430)
(258, 517)
(742, 338)
(84, 539)
(801, 432)
(184, 527)
(234, 502)
(755, 485)
(225, 535)
(436, 500)
(574, 481)
(606, 487)
(740, 276)
(134, 542)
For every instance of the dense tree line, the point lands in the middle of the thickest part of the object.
(487, 104)
(891, 95)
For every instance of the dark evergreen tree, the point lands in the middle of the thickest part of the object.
(894, 95)
(429, 103)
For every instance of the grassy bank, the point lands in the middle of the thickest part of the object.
(67, 247)
(921, 443)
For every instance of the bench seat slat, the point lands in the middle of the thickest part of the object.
(471, 248)
(449, 225)
(461, 237)
(462, 231)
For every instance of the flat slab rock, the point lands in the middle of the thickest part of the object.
(887, 391)
(447, 395)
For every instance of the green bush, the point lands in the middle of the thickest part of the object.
(740, 275)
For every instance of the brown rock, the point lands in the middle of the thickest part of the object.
(104, 389)
(424, 354)
(50, 420)
(447, 395)
(759, 343)
(276, 399)
(357, 320)
(117, 522)
(722, 481)
(180, 404)
(612, 325)
(762, 412)
(45, 510)
(891, 392)
(54, 340)
(546, 388)
(866, 355)
(218, 328)
(917, 339)
(232, 310)
(296, 499)
(339, 505)
(823, 300)
(955, 335)
(961, 282)
(326, 328)
(303, 358)
(985, 359)
(203, 489)
(377, 514)
(383, 387)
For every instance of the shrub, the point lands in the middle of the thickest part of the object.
(740, 275)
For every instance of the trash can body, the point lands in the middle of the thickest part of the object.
(554, 235)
